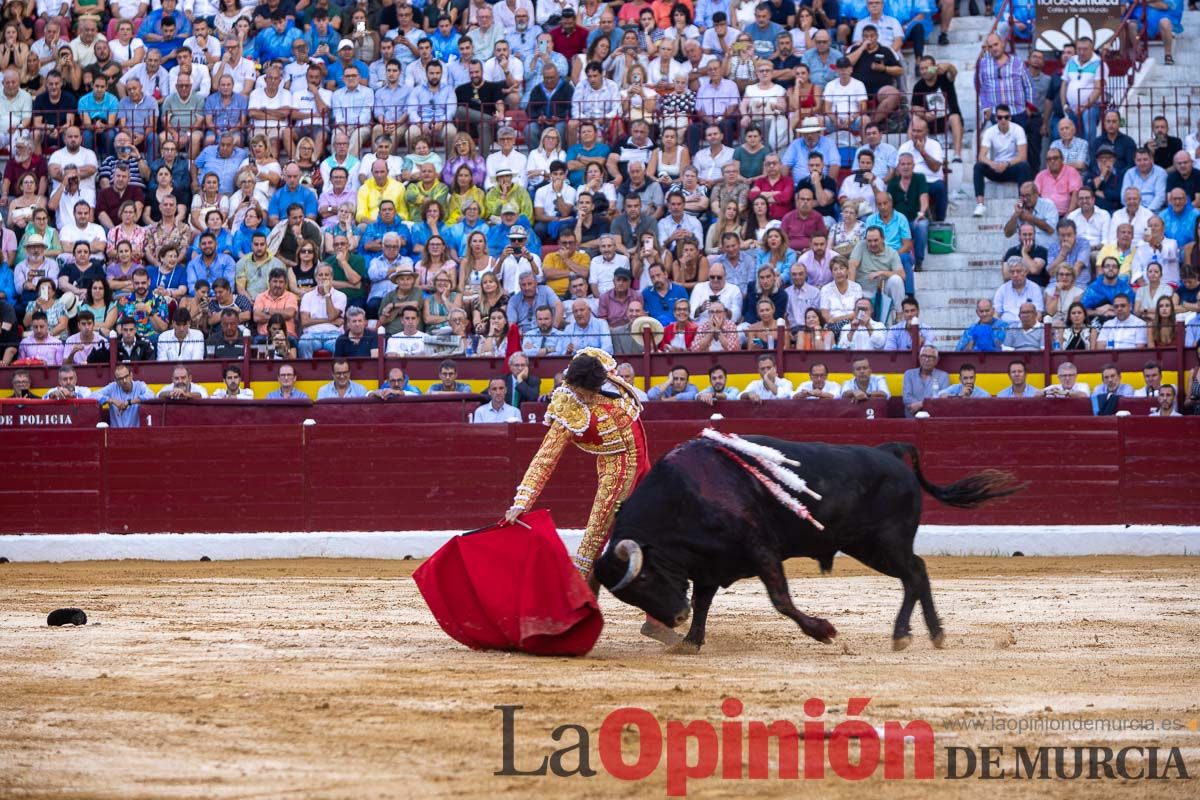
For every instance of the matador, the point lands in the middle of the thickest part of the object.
(598, 411)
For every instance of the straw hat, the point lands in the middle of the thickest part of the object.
(642, 323)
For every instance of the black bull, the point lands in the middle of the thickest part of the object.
(698, 516)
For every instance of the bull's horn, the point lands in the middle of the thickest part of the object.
(631, 551)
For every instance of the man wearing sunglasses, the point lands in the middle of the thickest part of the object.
(1002, 156)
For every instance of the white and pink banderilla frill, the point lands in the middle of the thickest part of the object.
(773, 473)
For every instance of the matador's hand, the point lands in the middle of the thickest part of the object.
(513, 514)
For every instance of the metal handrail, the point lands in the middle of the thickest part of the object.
(1000, 12)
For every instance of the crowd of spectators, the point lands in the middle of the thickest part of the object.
(1104, 233)
(182, 174)
(185, 177)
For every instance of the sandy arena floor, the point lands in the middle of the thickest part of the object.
(321, 678)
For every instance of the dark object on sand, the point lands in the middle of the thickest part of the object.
(67, 616)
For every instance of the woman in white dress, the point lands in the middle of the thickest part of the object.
(637, 99)
(742, 12)
(548, 151)
(839, 295)
(604, 194)
(681, 25)
(231, 11)
(806, 28)
(127, 50)
(629, 56)
(764, 104)
(208, 198)
(268, 175)
(667, 161)
(847, 231)
(474, 265)
(246, 196)
(1148, 293)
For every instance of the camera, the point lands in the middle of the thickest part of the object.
(713, 298)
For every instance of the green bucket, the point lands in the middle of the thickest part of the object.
(941, 238)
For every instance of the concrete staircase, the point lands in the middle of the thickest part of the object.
(1175, 82)
(949, 286)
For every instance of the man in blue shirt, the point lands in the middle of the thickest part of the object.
(122, 397)
(1097, 298)
(275, 42)
(291, 192)
(1018, 383)
(523, 304)
(677, 386)
(445, 40)
(151, 27)
(924, 381)
(898, 337)
(1069, 250)
(341, 387)
(1179, 217)
(225, 111)
(586, 330)
(209, 264)
(431, 108)
(986, 335)
(660, 296)
(287, 386)
(335, 78)
(763, 31)
(388, 221)
(99, 106)
(1148, 178)
(606, 27)
(896, 234)
(322, 37)
(497, 234)
(821, 59)
(811, 141)
(222, 159)
(1107, 395)
(449, 383)
(965, 387)
(588, 150)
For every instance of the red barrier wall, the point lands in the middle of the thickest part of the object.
(1080, 470)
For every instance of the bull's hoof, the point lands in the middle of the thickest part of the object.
(822, 630)
(901, 643)
(684, 648)
(661, 633)
(939, 640)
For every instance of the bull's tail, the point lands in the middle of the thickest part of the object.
(970, 492)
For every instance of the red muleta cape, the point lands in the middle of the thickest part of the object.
(506, 587)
